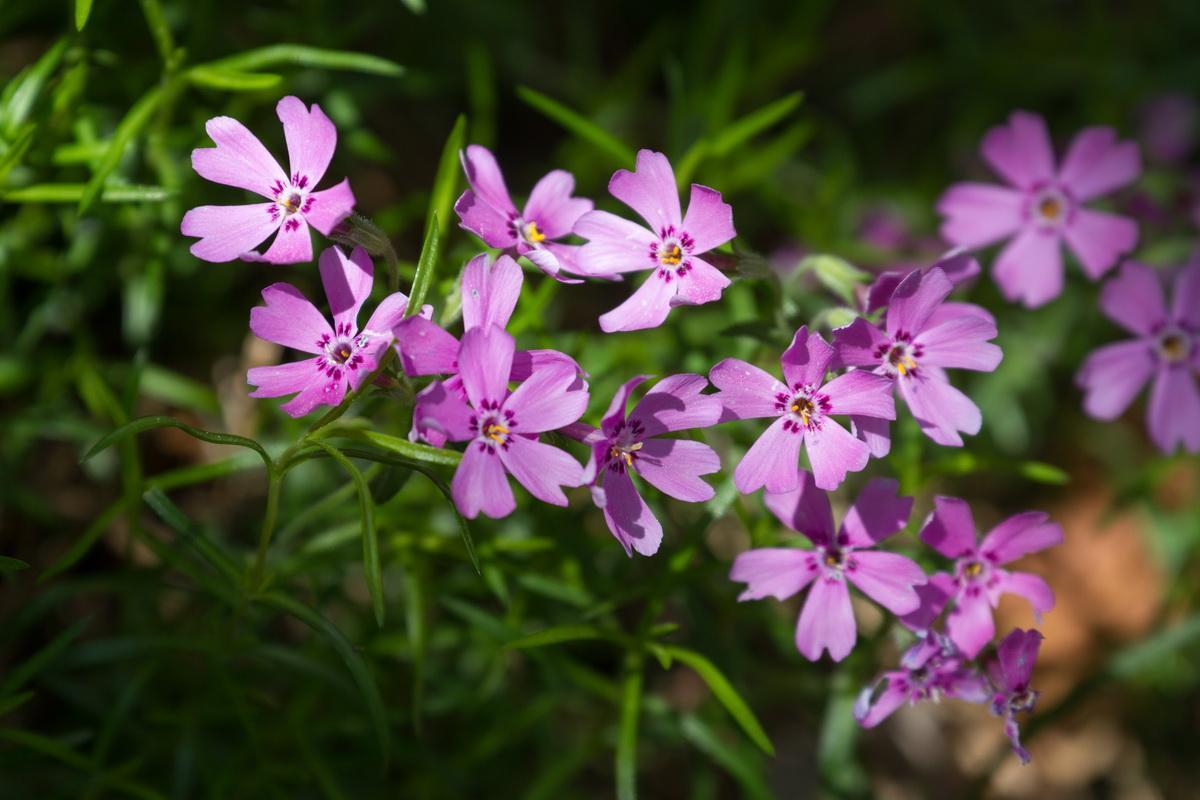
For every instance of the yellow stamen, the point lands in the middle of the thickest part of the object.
(1050, 207)
(532, 233)
(671, 257)
(973, 569)
(291, 202)
(495, 432)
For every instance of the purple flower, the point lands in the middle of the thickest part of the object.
(979, 579)
(671, 247)
(343, 354)
(802, 408)
(1169, 124)
(827, 620)
(958, 264)
(1010, 674)
(625, 446)
(1167, 349)
(239, 159)
(1044, 207)
(922, 335)
(501, 427)
(489, 294)
(931, 669)
(487, 210)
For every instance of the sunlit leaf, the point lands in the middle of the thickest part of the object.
(726, 695)
(579, 125)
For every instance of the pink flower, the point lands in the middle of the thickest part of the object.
(343, 354)
(489, 294)
(671, 247)
(959, 265)
(827, 620)
(922, 335)
(979, 577)
(802, 407)
(931, 669)
(1044, 207)
(1010, 675)
(1167, 350)
(625, 446)
(501, 427)
(487, 211)
(239, 159)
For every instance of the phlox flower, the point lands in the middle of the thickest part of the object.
(343, 354)
(1166, 351)
(931, 669)
(487, 210)
(958, 263)
(671, 247)
(239, 159)
(501, 427)
(1044, 206)
(803, 409)
(627, 445)
(490, 289)
(1010, 673)
(920, 337)
(979, 577)
(847, 555)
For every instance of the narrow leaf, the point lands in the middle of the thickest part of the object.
(83, 8)
(74, 192)
(579, 125)
(210, 77)
(126, 132)
(746, 128)
(8, 564)
(413, 451)
(426, 265)
(556, 635)
(726, 695)
(298, 55)
(22, 673)
(10, 704)
(835, 274)
(627, 734)
(22, 92)
(446, 180)
(148, 423)
(191, 535)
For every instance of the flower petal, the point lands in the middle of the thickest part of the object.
(771, 461)
(674, 467)
(978, 214)
(546, 400)
(870, 708)
(227, 232)
(281, 379)
(746, 392)
(425, 348)
(484, 361)
(950, 528)
(1033, 588)
(1020, 535)
(804, 509)
(875, 432)
(292, 245)
(709, 219)
(878, 512)
(1096, 163)
(615, 245)
(807, 359)
(551, 206)
(327, 208)
(1134, 299)
(676, 403)
(480, 484)
(887, 578)
(486, 180)
(647, 307)
(615, 414)
(914, 300)
(239, 159)
(1185, 307)
(858, 344)
(1098, 239)
(328, 392)
(311, 138)
(702, 283)
(347, 281)
(961, 342)
(970, 624)
(491, 225)
(941, 410)
(649, 190)
(489, 291)
(1017, 654)
(386, 316)
(1112, 376)
(934, 596)
(862, 393)
(1020, 151)
(1030, 268)
(629, 518)
(289, 319)
(833, 452)
(777, 572)
(1173, 414)
(826, 621)
(441, 413)
(542, 469)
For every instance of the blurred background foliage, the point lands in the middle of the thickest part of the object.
(134, 663)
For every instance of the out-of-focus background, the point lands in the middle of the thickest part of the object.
(126, 669)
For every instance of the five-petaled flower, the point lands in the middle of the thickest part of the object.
(239, 159)
(343, 354)
(1044, 207)
(487, 210)
(803, 408)
(1010, 674)
(671, 247)
(979, 577)
(838, 557)
(922, 335)
(931, 669)
(1166, 351)
(627, 445)
(501, 427)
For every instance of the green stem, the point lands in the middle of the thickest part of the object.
(274, 481)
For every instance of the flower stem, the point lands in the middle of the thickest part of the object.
(274, 481)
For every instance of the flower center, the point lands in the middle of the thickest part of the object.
(670, 253)
(1174, 346)
(670, 256)
(805, 408)
(532, 234)
(1050, 207)
(342, 352)
(291, 197)
(495, 431)
(899, 358)
(624, 452)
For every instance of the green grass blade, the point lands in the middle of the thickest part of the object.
(413, 451)
(74, 192)
(83, 9)
(446, 181)
(149, 423)
(724, 692)
(627, 734)
(426, 266)
(556, 635)
(209, 77)
(299, 55)
(743, 130)
(191, 535)
(9, 564)
(579, 125)
(137, 118)
(24, 672)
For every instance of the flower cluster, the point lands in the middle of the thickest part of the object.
(833, 400)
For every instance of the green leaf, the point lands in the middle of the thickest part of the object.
(835, 274)
(745, 770)
(47, 747)
(10, 704)
(191, 535)
(16, 150)
(736, 134)
(627, 734)
(211, 77)
(137, 118)
(22, 92)
(83, 8)
(426, 266)
(412, 451)
(445, 181)
(556, 635)
(149, 423)
(1041, 472)
(156, 20)
(837, 742)
(74, 193)
(8, 564)
(354, 663)
(579, 125)
(84, 543)
(370, 542)
(299, 55)
(22, 673)
(725, 694)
